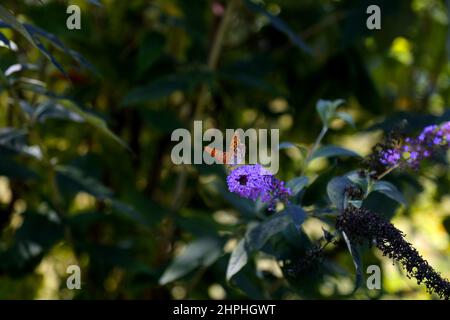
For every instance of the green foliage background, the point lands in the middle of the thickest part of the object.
(86, 176)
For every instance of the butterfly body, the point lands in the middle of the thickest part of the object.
(234, 156)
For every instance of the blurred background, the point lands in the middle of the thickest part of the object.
(86, 176)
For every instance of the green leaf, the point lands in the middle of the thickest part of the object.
(10, 20)
(74, 108)
(389, 190)
(356, 256)
(94, 121)
(130, 212)
(53, 110)
(98, 190)
(143, 208)
(110, 255)
(85, 183)
(43, 230)
(346, 118)
(356, 203)
(151, 48)
(4, 41)
(37, 32)
(164, 120)
(165, 86)
(15, 170)
(257, 236)
(95, 2)
(336, 191)
(281, 26)
(10, 135)
(287, 145)
(202, 252)
(260, 234)
(14, 140)
(314, 194)
(238, 259)
(333, 151)
(327, 110)
(297, 214)
(415, 120)
(250, 81)
(33, 34)
(19, 67)
(244, 206)
(37, 234)
(297, 184)
(158, 89)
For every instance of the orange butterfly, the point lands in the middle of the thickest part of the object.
(232, 157)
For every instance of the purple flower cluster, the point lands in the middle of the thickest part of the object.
(413, 150)
(254, 181)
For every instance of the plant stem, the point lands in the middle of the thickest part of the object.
(321, 135)
(381, 176)
(214, 55)
(220, 36)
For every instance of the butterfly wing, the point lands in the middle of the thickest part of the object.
(236, 151)
(234, 156)
(220, 156)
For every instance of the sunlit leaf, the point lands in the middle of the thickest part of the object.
(94, 121)
(201, 252)
(85, 183)
(101, 192)
(357, 262)
(53, 110)
(37, 234)
(297, 184)
(19, 67)
(346, 118)
(33, 34)
(57, 43)
(389, 190)
(4, 41)
(288, 145)
(336, 191)
(327, 110)
(14, 140)
(260, 234)
(238, 259)
(297, 214)
(333, 151)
